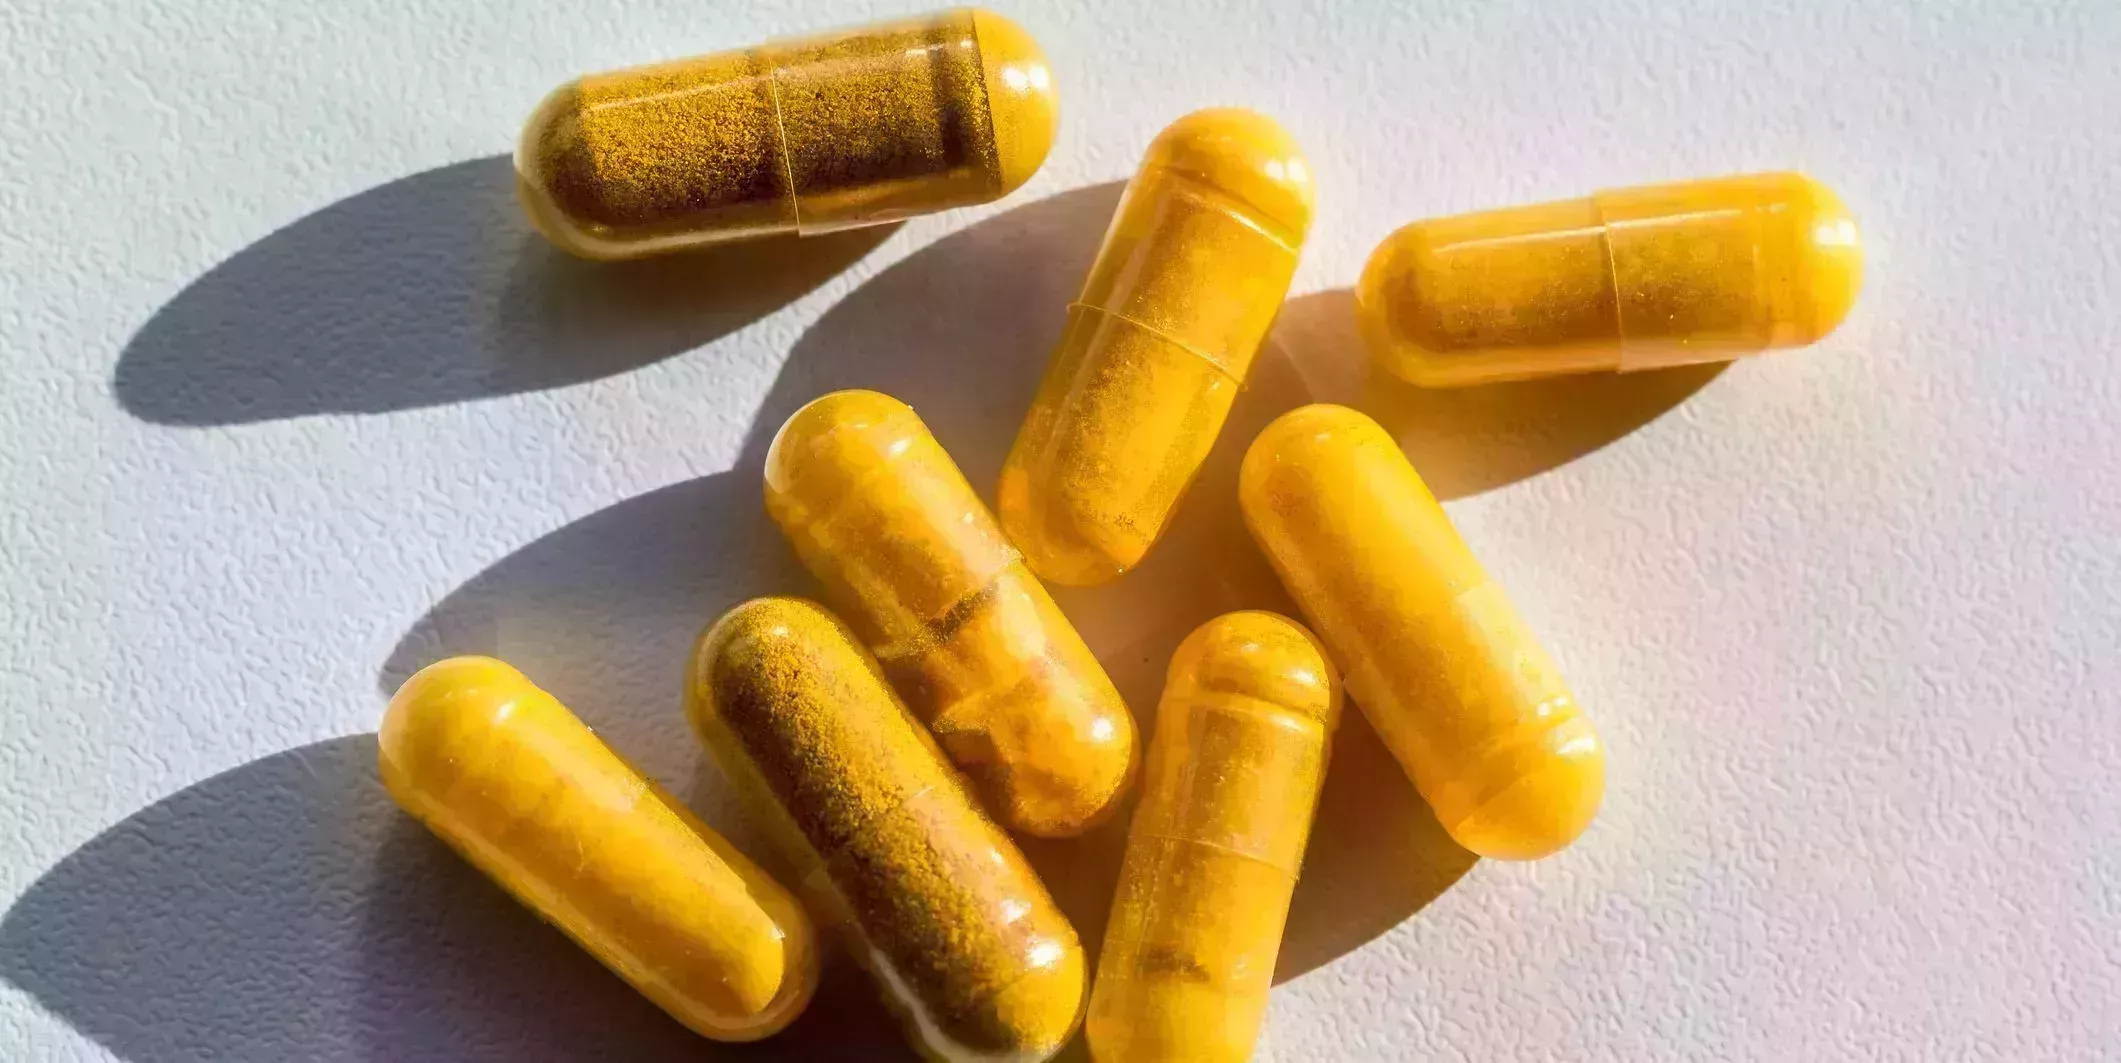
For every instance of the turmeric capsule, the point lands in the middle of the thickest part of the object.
(931, 896)
(1638, 278)
(907, 553)
(1190, 277)
(1212, 854)
(847, 128)
(509, 778)
(1433, 652)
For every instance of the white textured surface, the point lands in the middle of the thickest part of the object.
(290, 403)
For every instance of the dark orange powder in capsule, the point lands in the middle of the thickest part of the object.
(847, 128)
(931, 896)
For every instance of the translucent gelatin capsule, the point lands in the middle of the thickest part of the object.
(1233, 776)
(910, 557)
(962, 939)
(1432, 650)
(1189, 279)
(509, 778)
(1637, 278)
(809, 135)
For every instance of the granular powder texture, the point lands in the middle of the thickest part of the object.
(1632, 278)
(878, 511)
(1212, 854)
(842, 129)
(1188, 281)
(934, 899)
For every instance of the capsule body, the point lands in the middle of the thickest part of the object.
(931, 895)
(1635, 278)
(1432, 650)
(910, 557)
(847, 128)
(509, 778)
(1232, 781)
(1189, 278)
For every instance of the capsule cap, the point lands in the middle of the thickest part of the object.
(1552, 801)
(1245, 155)
(1262, 656)
(440, 709)
(845, 433)
(1042, 1009)
(1829, 261)
(1020, 96)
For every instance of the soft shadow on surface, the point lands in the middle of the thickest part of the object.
(1377, 855)
(433, 289)
(959, 330)
(1468, 440)
(287, 910)
(603, 611)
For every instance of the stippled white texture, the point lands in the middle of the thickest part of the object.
(290, 403)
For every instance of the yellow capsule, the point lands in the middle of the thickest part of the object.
(513, 781)
(846, 128)
(1234, 770)
(1638, 278)
(1432, 650)
(966, 944)
(1190, 276)
(907, 553)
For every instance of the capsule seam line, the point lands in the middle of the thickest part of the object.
(986, 107)
(1159, 334)
(795, 197)
(1221, 848)
(1232, 207)
(1612, 273)
(1272, 713)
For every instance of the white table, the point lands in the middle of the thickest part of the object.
(292, 402)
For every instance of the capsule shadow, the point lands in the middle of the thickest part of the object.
(1377, 855)
(603, 611)
(1468, 440)
(433, 289)
(286, 909)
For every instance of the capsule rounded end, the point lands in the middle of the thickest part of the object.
(841, 435)
(1263, 656)
(1296, 442)
(1401, 324)
(759, 637)
(1244, 154)
(1548, 805)
(1829, 264)
(439, 709)
(1062, 542)
(1020, 96)
(1067, 803)
(1039, 1011)
(556, 179)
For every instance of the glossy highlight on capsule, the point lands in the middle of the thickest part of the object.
(1233, 777)
(1634, 278)
(931, 896)
(846, 128)
(908, 554)
(1432, 650)
(513, 781)
(1192, 271)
